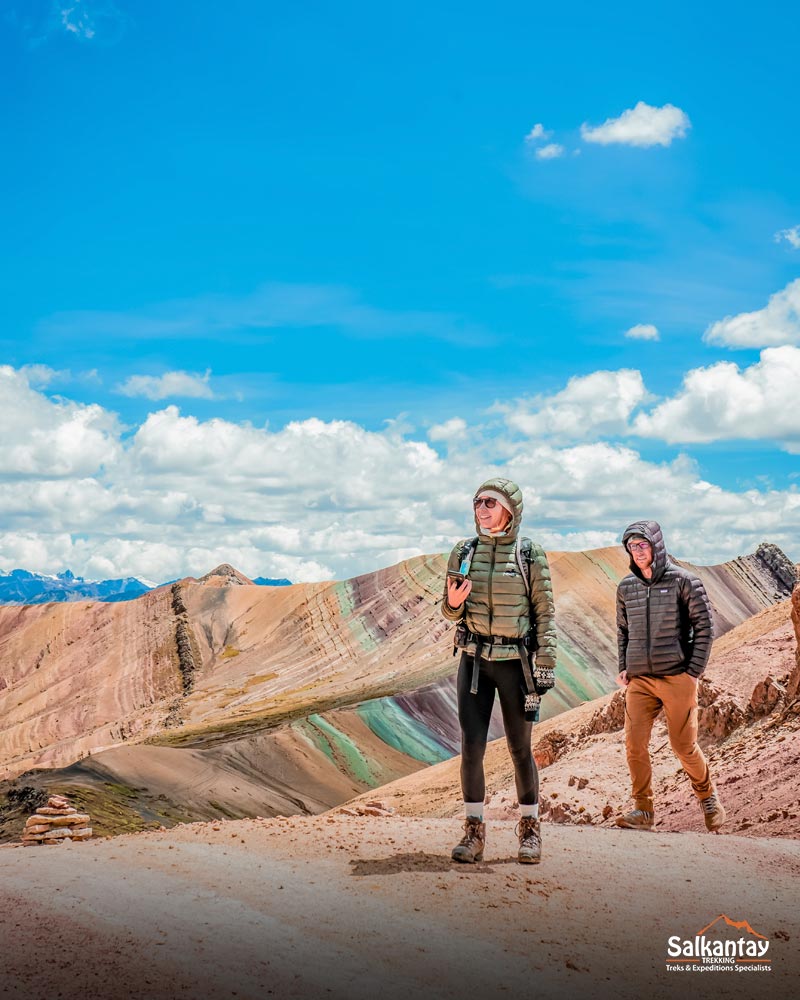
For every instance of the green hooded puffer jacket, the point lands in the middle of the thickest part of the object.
(498, 603)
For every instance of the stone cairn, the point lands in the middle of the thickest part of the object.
(56, 822)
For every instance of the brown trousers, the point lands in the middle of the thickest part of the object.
(645, 696)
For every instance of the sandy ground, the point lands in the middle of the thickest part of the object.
(335, 906)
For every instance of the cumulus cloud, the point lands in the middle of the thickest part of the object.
(552, 151)
(451, 430)
(602, 487)
(643, 331)
(168, 385)
(722, 402)
(791, 236)
(329, 499)
(50, 438)
(538, 134)
(777, 323)
(642, 125)
(39, 376)
(590, 406)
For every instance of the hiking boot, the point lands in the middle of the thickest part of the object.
(636, 819)
(470, 848)
(713, 812)
(530, 841)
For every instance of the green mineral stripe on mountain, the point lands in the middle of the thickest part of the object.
(574, 675)
(342, 750)
(613, 574)
(346, 596)
(314, 737)
(389, 722)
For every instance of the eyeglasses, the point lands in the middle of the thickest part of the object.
(490, 502)
(639, 546)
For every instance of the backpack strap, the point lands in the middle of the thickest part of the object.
(522, 553)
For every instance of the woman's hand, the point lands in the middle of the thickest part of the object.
(457, 592)
(622, 678)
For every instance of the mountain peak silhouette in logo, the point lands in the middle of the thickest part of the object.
(740, 925)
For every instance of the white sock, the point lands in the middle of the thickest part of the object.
(529, 810)
(473, 809)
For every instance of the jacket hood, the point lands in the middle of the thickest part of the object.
(513, 494)
(651, 530)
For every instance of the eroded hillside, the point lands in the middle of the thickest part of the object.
(285, 699)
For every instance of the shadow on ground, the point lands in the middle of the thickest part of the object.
(418, 862)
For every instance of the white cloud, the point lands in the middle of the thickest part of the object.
(777, 323)
(169, 385)
(643, 331)
(451, 430)
(77, 20)
(550, 152)
(589, 407)
(50, 438)
(538, 133)
(322, 500)
(642, 125)
(92, 22)
(791, 236)
(723, 402)
(39, 376)
(593, 491)
(97, 21)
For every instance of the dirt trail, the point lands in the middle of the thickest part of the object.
(335, 906)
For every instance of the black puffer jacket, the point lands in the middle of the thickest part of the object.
(664, 624)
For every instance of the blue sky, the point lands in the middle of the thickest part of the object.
(260, 214)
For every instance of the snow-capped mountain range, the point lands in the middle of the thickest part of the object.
(20, 586)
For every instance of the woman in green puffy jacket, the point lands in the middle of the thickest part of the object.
(498, 589)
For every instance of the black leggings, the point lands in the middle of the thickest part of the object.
(474, 714)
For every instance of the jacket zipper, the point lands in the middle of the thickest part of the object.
(491, 573)
(649, 658)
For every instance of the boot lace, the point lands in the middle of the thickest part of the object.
(710, 805)
(528, 831)
(472, 832)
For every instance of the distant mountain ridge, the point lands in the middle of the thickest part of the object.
(21, 586)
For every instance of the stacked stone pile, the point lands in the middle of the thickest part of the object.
(56, 822)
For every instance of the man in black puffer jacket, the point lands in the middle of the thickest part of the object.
(664, 633)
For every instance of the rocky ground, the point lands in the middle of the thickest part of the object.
(338, 906)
